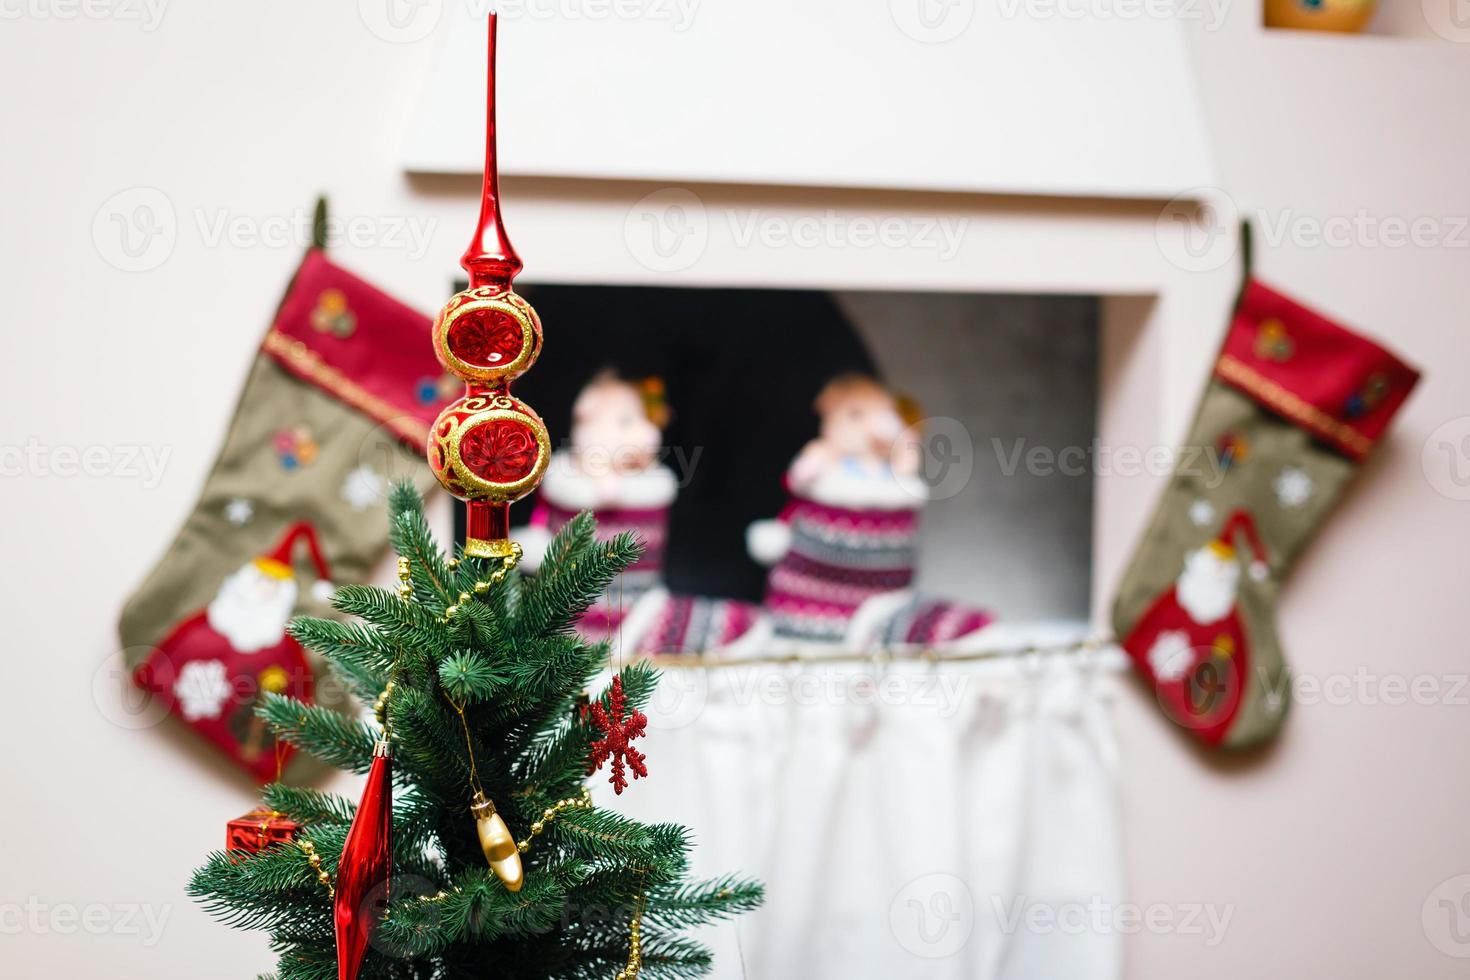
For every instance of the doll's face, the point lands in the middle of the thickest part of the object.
(860, 420)
(611, 431)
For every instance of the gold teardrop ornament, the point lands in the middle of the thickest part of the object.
(497, 843)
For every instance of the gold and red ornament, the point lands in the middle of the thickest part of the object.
(487, 447)
(618, 728)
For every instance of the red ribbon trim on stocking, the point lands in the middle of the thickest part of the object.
(1336, 384)
(359, 345)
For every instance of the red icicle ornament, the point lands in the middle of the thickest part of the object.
(364, 873)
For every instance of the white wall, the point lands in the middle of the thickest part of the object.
(1331, 844)
(1327, 847)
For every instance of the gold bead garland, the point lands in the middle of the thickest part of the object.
(315, 860)
(482, 587)
(405, 585)
(635, 942)
(583, 802)
(380, 706)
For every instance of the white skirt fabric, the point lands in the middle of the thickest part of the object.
(908, 820)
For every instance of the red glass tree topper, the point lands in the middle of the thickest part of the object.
(488, 448)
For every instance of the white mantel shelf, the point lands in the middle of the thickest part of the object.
(825, 94)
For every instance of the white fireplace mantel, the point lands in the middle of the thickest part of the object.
(1035, 97)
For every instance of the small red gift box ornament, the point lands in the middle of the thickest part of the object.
(259, 829)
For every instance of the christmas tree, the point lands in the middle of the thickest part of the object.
(479, 681)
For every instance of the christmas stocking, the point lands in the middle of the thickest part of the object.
(336, 404)
(1294, 405)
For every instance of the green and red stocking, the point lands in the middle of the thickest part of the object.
(1294, 405)
(337, 403)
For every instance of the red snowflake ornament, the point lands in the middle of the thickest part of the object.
(618, 733)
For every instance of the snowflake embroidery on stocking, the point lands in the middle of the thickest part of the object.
(202, 689)
(618, 734)
(1171, 656)
(363, 487)
(239, 511)
(1293, 487)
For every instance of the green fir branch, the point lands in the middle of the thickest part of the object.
(411, 538)
(413, 630)
(308, 806)
(357, 652)
(334, 738)
(302, 959)
(682, 905)
(469, 677)
(563, 591)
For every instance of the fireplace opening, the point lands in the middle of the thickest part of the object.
(1007, 386)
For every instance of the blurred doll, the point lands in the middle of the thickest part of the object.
(612, 469)
(843, 551)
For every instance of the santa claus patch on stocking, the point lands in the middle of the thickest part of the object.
(1205, 636)
(1294, 405)
(216, 667)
